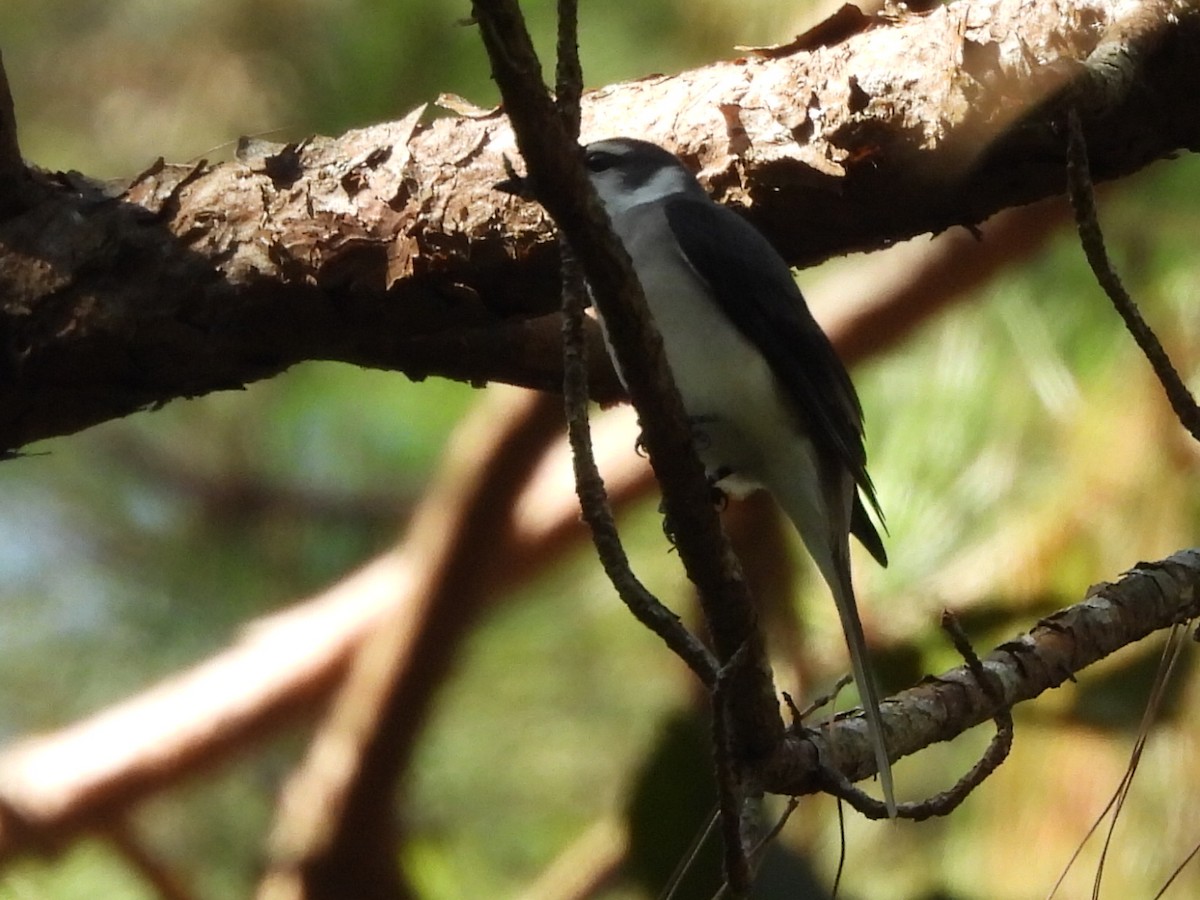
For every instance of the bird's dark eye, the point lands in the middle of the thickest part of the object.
(599, 160)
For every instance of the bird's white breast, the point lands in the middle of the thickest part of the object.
(744, 422)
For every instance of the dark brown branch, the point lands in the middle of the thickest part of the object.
(593, 496)
(386, 246)
(747, 723)
(558, 179)
(568, 78)
(1091, 238)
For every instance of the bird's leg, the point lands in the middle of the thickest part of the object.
(716, 494)
(702, 442)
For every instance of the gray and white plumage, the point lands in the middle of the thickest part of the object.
(771, 402)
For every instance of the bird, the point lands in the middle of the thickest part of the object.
(769, 401)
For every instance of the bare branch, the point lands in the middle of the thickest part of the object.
(386, 247)
(568, 78)
(1091, 238)
(1148, 598)
(556, 173)
(593, 496)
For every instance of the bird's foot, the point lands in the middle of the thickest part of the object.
(718, 497)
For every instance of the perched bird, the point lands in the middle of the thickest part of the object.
(770, 402)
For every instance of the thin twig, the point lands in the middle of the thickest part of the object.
(568, 76)
(593, 496)
(1173, 647)
(841, 865)
(1091, 238)
(760, 849)
(731, 793)
(690, 855)
(825, 699)
(1176, 872)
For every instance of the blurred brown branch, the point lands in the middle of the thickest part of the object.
(386, 247)
(465, 534)
(53, 787)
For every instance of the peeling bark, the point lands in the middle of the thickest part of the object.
(386, 247)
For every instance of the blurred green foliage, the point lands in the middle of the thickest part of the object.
(1019, 444)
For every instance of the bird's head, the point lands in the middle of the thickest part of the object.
(626, 172)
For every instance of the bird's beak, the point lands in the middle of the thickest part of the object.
(515, 185)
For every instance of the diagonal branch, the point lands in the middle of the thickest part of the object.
(352, 767)
(1148, 598)
(283, 666)
(1091, 238)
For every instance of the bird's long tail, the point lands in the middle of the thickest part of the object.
(856, 643)
(824, 525)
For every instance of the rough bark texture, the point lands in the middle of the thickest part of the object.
(1150, 597)
(387, 247)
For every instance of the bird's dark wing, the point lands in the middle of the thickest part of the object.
(767, 307)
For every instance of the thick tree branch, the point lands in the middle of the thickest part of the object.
(386, 247)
